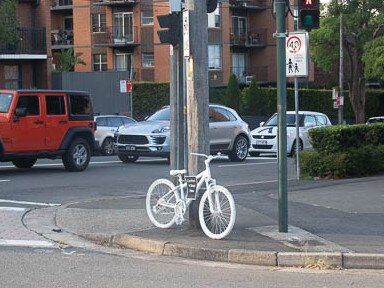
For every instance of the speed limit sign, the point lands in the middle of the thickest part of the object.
(297, 55)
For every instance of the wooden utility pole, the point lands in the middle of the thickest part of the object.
(197, 92)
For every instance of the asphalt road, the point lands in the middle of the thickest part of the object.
(48, 182)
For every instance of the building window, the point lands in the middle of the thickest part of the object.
(98, 23)
(11, 77)
(214, 57)
(147, 60)
(100, 62)
(214, 18)
(147, 17)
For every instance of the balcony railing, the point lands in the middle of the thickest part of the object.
(252, 38)
(116, 36)
(115, 2)
(61, 4)
(60, 39)
(248, 4)
(29, 41)
(244, 74)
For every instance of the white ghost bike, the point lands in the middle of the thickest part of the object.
(166, 203)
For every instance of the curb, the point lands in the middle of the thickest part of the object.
(320, 260)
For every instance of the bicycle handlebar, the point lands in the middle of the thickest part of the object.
(209, 157)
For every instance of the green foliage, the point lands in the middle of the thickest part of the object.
(373, 59)
(8, 22)
(361, 21)
(344, 151)
(329, 140)
(148, 98)
(68, 60)
(233, 93)
(251, 97)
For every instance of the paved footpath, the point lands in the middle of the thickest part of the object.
(339, 224)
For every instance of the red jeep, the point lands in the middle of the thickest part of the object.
(46, 124)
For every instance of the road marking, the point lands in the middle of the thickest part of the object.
(12, 209)
(246, 164)
(29, 243)
(28, 203)
(254, 183)
(5, 180)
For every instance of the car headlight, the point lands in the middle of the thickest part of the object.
(161, 130)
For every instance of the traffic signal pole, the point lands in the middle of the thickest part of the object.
(280, 6)
(197, 93)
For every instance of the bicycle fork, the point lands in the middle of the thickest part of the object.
(213, 198)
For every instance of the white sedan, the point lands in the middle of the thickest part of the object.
(264, 138)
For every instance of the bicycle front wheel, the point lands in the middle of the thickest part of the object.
(217, 212)
(160, 203)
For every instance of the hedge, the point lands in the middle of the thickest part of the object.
(344, 151)
(149, 97)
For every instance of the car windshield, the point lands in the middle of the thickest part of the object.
(291, 120)
(5, 102)
(161, 115)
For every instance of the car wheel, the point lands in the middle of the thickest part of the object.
(107, 147)
(240, 149)
(126, 158)
(77, 156)
(254, 154)
(293, 149)
(24, 163)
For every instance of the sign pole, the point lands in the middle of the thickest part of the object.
(280, 6)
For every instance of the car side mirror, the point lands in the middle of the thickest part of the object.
(262, 124)
(21, 112)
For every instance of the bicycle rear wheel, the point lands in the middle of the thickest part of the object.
(160, 203)
(217, 212)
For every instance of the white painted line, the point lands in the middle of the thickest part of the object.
(12, 209)
(246, 164)
(5, 180)
(28, 203)
(251, 183)
(27, 243)
(255, 183)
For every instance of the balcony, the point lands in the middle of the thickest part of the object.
(116, 36)
(30, 41)
(244, 74)
(61, 39)
(250, 39)
(61, 4)
(248, 4)
(115, 2)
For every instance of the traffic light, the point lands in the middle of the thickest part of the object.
(172, 34)
(309, 14)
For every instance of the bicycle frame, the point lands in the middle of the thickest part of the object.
(203, 177)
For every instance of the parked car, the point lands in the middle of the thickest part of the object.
(229, 134)
(106, 127)
(48, 124)
(264, 138)
(377, 119)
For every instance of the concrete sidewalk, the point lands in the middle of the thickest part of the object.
(255, 239)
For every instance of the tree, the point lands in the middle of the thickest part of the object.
(233, 93)
(8, 22)
(374, 59)
(360, 24)
(68, 60)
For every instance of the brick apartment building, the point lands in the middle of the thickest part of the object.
(120, 35)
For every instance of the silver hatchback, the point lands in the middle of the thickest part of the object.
(229, 134)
